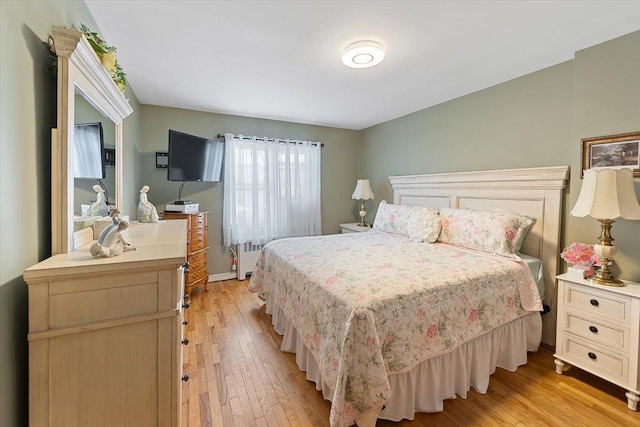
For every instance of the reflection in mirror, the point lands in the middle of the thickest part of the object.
(92, 164)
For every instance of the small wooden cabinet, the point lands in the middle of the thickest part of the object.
(106, 335)
(197, 247)
(598, 330)
(353, 228)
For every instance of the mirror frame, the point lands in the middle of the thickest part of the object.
(79, 66)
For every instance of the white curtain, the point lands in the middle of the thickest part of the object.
(271, 189)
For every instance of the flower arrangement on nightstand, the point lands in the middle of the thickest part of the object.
(582, 258)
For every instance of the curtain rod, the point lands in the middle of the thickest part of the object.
(221, 135)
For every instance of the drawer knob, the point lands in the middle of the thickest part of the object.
(186, 305)
(594, 302)
(185, 341)
(185, 377)
(592, 356)
(186, 264)
(593, 329)
(185, 322)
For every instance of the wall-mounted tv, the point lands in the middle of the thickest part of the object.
(193, 158)
(88, 154)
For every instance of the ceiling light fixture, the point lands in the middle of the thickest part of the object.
(363, 54)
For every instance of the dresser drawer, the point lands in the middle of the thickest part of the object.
(104, 297)
(613, 336)
(198, 256)
(197, 243)
(589, 356)
(197, 234)
(198, 221)
(197, 265)
(196, 275)
(596, 302)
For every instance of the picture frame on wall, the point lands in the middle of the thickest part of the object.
(611, 152)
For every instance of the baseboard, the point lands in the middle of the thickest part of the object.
(222, 276)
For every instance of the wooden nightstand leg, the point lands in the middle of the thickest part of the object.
(559, 365)
(632, 400)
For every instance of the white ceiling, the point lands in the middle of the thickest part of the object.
(281, 59)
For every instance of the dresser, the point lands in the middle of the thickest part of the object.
(106, 335)
(598, 330)
(353, 228)
(197, 247)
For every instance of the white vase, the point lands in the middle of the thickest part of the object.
(578, 271)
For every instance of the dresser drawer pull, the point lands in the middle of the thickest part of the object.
(185, 322)
(594, 302)
(186, 305)
(593, 329)
(185, 377)
(185, 341)
(592, 356)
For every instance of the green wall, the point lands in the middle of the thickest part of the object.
(339, 167)
(27, 114)
(534, 120)
(606, 102)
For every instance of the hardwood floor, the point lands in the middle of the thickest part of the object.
(239, 377)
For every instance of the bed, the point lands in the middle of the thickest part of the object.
(387, 325)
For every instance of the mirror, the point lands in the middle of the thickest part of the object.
(85, 115)
(79, 69)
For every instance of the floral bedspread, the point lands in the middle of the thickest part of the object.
(371, 304)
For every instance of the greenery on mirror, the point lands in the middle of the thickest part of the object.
(105, 52)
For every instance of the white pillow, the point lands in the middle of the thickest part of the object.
(419, 223)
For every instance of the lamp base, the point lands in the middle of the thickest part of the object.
(606, 251)
(362, 213)
(605, 277)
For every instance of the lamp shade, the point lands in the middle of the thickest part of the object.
(607, 194)
(363, 190)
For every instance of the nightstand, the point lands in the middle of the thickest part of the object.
(353, 228)
(598, 330)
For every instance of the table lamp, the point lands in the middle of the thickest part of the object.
(362, 192)
(607, 194)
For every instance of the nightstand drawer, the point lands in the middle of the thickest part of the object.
(606, 364)
(612, 336)
(596, 302)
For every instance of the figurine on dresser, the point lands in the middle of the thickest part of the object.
(113, 242)
(146, 210)
(115, 220)
(99, 207)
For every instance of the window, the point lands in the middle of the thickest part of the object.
(271, 189)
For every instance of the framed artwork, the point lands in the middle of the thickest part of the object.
(612, 152)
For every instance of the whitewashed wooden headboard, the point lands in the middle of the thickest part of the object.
(536, 192)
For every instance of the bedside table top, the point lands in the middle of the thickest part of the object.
(353, 226)
(629, 288)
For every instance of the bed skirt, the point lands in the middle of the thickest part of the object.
(439, 378)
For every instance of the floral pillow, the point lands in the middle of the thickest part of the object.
(419, 223)
(500, 232)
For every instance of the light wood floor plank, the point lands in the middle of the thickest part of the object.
(239, 377)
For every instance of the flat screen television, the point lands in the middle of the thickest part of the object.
(88, 154)
(193, 158)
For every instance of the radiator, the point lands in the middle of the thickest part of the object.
(248, 254)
